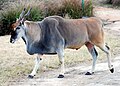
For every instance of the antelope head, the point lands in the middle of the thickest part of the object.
(18, 26)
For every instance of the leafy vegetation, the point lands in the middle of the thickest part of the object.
(43, 8)
(10, 16)
(73, 8)
(114, 2)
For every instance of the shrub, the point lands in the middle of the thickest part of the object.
(7, 17)
(2, 2)
(10, 16)
(41, 9)
(36, 14)
(114, 2)
(73, 8)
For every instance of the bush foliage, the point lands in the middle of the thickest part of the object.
(114, 2)
(10, 16)
(73, 8)
(43, 8)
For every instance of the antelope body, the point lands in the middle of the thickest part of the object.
(53, 34)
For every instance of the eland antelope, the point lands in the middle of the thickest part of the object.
(54, 34)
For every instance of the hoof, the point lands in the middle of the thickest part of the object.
(112, 70)
(61, 76)
(88, 73)
(30, 76)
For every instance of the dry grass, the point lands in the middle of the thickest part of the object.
(15, 62)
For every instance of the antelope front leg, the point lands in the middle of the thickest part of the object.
(61, 59)
(37, 63)
(61, 75)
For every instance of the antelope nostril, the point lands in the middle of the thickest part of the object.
(17, 28)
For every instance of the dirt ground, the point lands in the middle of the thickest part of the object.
(74, 76)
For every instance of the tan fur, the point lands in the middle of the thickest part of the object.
(54, 33)
(79, 31)
(33, 30)
(14, 25)
(76, 32)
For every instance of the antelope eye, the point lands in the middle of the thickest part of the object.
(20, 24)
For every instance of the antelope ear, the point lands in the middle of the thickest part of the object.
(27, 24)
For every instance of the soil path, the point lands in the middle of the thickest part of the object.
(74, 76)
